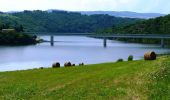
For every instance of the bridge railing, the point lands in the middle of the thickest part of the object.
(147, 36)
(59, 34)
(94, 34)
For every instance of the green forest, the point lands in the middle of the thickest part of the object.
(15, 38)
(13, 35)
(61, 21)
(159, 25)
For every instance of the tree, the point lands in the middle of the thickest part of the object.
(19, 28)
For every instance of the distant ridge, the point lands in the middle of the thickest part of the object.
(124, 14)
(127, 14)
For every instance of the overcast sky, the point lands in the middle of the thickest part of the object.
(158, 6)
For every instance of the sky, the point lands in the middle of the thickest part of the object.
(142, 6)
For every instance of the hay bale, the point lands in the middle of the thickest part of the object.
(150, 55)
(67, 64)
(56, 65)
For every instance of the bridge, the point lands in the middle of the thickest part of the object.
(162, 37)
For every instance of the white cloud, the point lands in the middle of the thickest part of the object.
(80, 5)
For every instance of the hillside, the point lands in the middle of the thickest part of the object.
(133, 80)
(62, 21)
(160, 25)
(125, 14)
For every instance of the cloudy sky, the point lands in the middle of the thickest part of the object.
(158, 6)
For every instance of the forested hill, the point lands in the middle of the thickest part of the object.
(160, 25)
(62, 21)
(124, 14)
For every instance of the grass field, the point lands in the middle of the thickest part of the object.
(133, 80)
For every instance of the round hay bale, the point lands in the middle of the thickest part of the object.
(67, 64)
(150, 55)
(56, 65)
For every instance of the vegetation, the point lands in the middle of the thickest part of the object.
(130, 58)
(11, 32)
(14, 38)
(124, 80)
(9, 21)
(62, 21)
(158, 25)
(120, 60)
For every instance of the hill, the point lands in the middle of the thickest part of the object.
(160, 25)
(141, 80)
(62, 21)
(125, 14)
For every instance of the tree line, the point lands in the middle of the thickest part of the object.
(159, 25)
(63, 21)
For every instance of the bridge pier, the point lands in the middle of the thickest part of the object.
(105, 42)
(162, 43)
(52, 40)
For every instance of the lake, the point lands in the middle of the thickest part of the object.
(75, 49)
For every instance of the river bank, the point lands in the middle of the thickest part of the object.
(123, 80)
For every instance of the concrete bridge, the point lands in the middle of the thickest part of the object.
(162, 37)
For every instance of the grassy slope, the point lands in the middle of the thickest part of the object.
(124, 80)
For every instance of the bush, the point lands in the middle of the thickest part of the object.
(130, 58)
(120, 60)
(81, 64)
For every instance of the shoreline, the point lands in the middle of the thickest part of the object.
(49, 67)
(106, 81)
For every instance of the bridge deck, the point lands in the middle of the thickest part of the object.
(148, 36)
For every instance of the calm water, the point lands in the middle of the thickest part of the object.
(73, 48)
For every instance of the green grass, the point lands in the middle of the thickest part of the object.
(134, 80)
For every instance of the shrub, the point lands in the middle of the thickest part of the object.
(130, 58)
(81, 64)
(120, 60)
